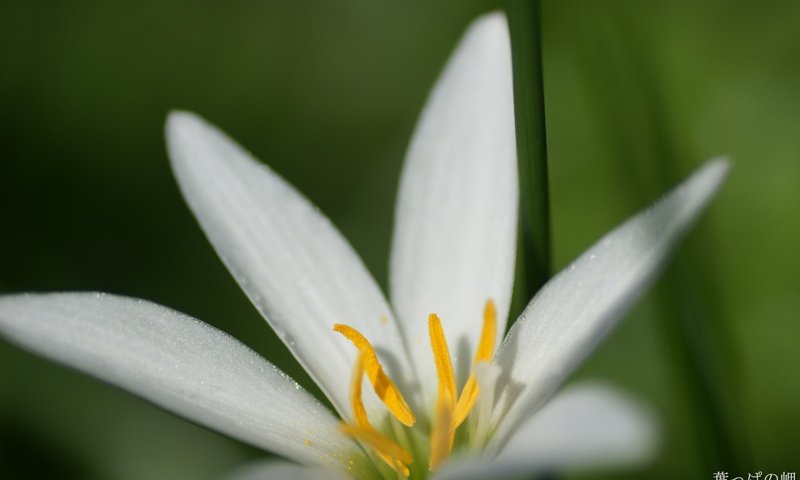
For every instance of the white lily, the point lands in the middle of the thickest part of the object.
(452, 263)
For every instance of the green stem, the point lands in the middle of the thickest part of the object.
(533, 254)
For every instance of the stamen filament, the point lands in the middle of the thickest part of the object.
(381, 383)
(443, 433)
(390, 452)
(487, 375)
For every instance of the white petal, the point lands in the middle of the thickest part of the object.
(180, 364)
(276, 470)
(573, 312)
(586, 426)
(297, 269)
(454, 239)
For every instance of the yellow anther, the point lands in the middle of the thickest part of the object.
(381, 383)
(441, 356)
(443, 432)
(389, 451)
(469, 394)
(356, 403)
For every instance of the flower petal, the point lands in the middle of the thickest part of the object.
(572, 313)
(454, 239)
(588, 425)
(180, 364)
(297, 269)
(271, 470)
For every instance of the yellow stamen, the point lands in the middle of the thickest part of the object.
(441, 356)
(443, 433)
(469, 394)
(389, 451)
(450, 411)
(356, 403)
(381, 383)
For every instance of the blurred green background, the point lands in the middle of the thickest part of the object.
(638, 94)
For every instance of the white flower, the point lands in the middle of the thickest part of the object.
(452, 262)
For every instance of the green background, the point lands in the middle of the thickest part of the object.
(637, 95)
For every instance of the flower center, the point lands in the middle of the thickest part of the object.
(450, 410)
